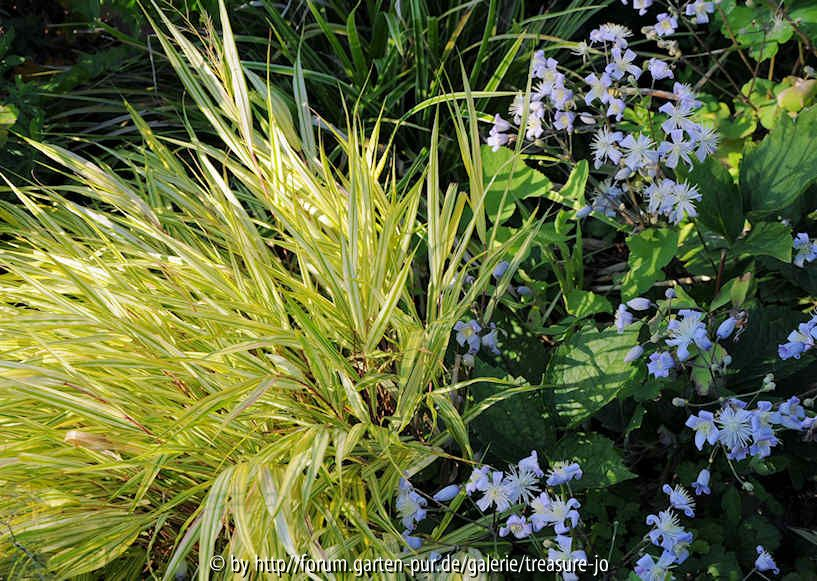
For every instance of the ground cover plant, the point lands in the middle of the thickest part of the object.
(449, 286)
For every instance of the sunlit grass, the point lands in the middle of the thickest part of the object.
(216, 350)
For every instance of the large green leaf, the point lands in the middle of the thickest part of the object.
(507, 176)
(513, 427)
(774, 174)
(721, 206)
(601, 464)
(650, 251)
(767, 239)
(588, 371)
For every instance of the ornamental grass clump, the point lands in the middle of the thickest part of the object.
(213, 348)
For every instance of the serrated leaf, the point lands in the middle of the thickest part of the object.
(767, 239)
(588, 371)
(513, 427)
(507, 180)
(581, 303)
(774, 175)
(601, 463)
(721, 206)
(650, 251)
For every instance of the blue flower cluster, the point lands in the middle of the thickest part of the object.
(635, 163)
(500, 492)
(472, 334)
(667, 532)
(685, 331)
(748, 432)
(800, 340)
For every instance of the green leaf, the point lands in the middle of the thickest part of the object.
(650, 251)
(601, 464)
(589, 371)
(572, 193)
(507, 176)
(767, 239)
(774, 175)
(582, 303)
(513, 427)
(721, 205)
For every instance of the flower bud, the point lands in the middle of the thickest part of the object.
(448, 493)
(748, 487)
(639, 304)
(679, 402)
(634, 354)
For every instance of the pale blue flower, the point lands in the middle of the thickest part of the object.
(604, 146)
(790, 413)
(565, 553)
(500, 269)
(680, 499)
(495, 493)
(701, 484)
(542, 65)
(606, 198)
(522, 485)
(799, 341)
(642, 6)
(478, 480)
(560, 96)
(468, 333)
(562, 472)
(660, 364)
(675, 150)
(686, 96)
(661, 196)
(667, 531)
(622, 318)
(705, 140)
(648, 569)
(616, 108)
(500, 125)
(659, 69)
(496, 140)
(598, 88)
(410, 505)
(516, 525)
(765, 562)
(763, 440)
(666, 24)
(621, 64)
(677, 117)
(448, 493)
(705, 429)
(735, 428)
(531, 464)
(686, 329)
(564, 120)
(612, 33)
(639, 151)
(806, 250)
(684, 198)
(489, 340)
(556, 511)
(523, 291)
(700, 9)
